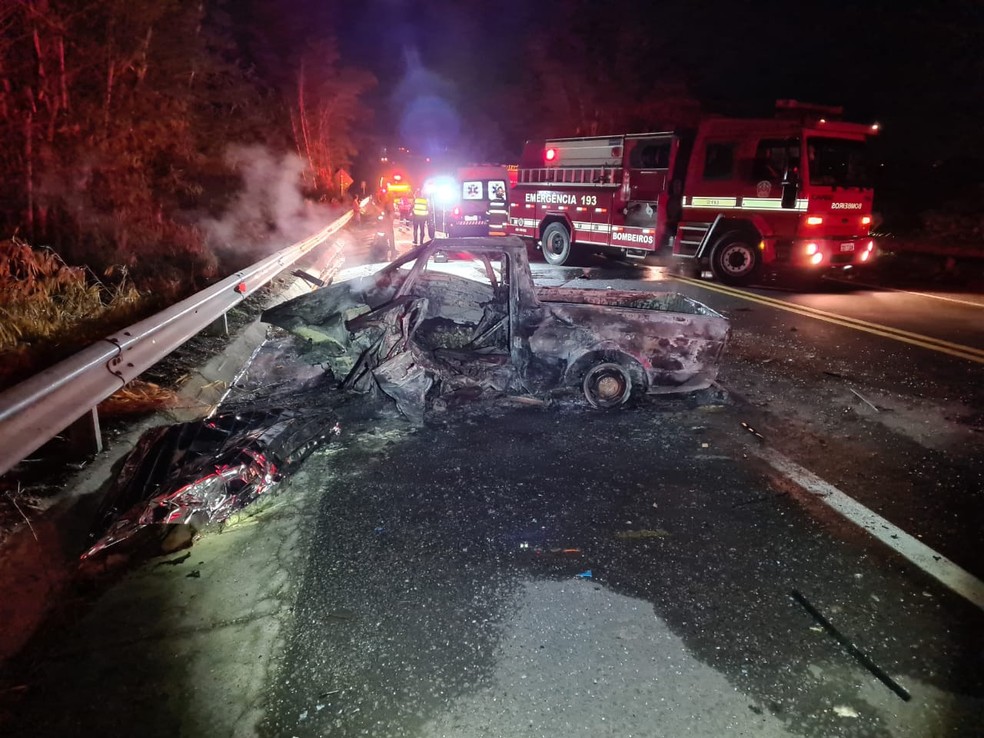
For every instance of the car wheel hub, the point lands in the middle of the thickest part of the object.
(609, 388)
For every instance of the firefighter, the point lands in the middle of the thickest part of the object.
(356, 210)
(421, 216)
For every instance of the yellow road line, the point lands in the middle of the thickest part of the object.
(880, 288)
(934, 344)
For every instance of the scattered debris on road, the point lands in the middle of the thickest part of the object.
(863, 399)
(627, 535)
(751, 430)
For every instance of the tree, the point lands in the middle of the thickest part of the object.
(116, 115)
(326, 109)
(295, 56)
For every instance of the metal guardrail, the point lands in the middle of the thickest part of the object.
(36, 410)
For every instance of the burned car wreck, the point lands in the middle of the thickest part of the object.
(464, 315)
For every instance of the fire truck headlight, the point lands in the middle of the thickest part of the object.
(865, 255)
(866, 220)
(816, 258)
(814, 220)
(812, 249)
(871, 246)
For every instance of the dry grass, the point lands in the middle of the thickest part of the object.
(138, 398)
(48, 308)
(42, 298)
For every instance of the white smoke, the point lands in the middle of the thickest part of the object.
(270, 212)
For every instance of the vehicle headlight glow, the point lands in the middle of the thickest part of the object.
(811, 249)
(442, 190)
(816, 258)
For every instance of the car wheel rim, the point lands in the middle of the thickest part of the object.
(606, 386)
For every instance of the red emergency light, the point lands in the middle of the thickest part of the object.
(397, 177)
(551, 154)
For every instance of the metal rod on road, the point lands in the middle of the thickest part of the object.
(856, 652)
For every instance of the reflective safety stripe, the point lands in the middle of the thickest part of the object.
(597, 227)
(713, 202)
(420, 206)
(747, 203)
(769, 203)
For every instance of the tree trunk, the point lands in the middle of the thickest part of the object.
(29, 173)
(108, 101)
(61, 71)
(302, 113)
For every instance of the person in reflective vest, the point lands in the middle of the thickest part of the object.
(421, 214)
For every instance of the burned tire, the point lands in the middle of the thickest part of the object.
(556, 244)
(736, 260)
(607, 385)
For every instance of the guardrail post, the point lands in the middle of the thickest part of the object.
(84, 435)
(220, 326)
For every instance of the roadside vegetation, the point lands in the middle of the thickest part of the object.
(118, 118)
(44, 303)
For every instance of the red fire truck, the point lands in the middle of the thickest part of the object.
(735, 194)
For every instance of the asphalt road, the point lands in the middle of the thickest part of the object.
(542, 572)
(855, 380)
(547, 572)
(525, 570)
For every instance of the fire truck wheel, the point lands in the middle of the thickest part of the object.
(556, 244)
(735, 259)
(607, 385)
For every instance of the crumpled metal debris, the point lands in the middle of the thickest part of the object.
(201, 472)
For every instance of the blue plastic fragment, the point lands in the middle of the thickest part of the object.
(585, 574)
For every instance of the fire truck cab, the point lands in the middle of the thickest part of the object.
(735, 195)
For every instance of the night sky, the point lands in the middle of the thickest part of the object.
(914, 67)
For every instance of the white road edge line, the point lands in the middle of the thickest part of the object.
(936, 565)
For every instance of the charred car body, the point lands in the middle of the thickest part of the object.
(199, 473)
(464, 314)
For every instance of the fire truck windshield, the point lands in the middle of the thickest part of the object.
(837, 162)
